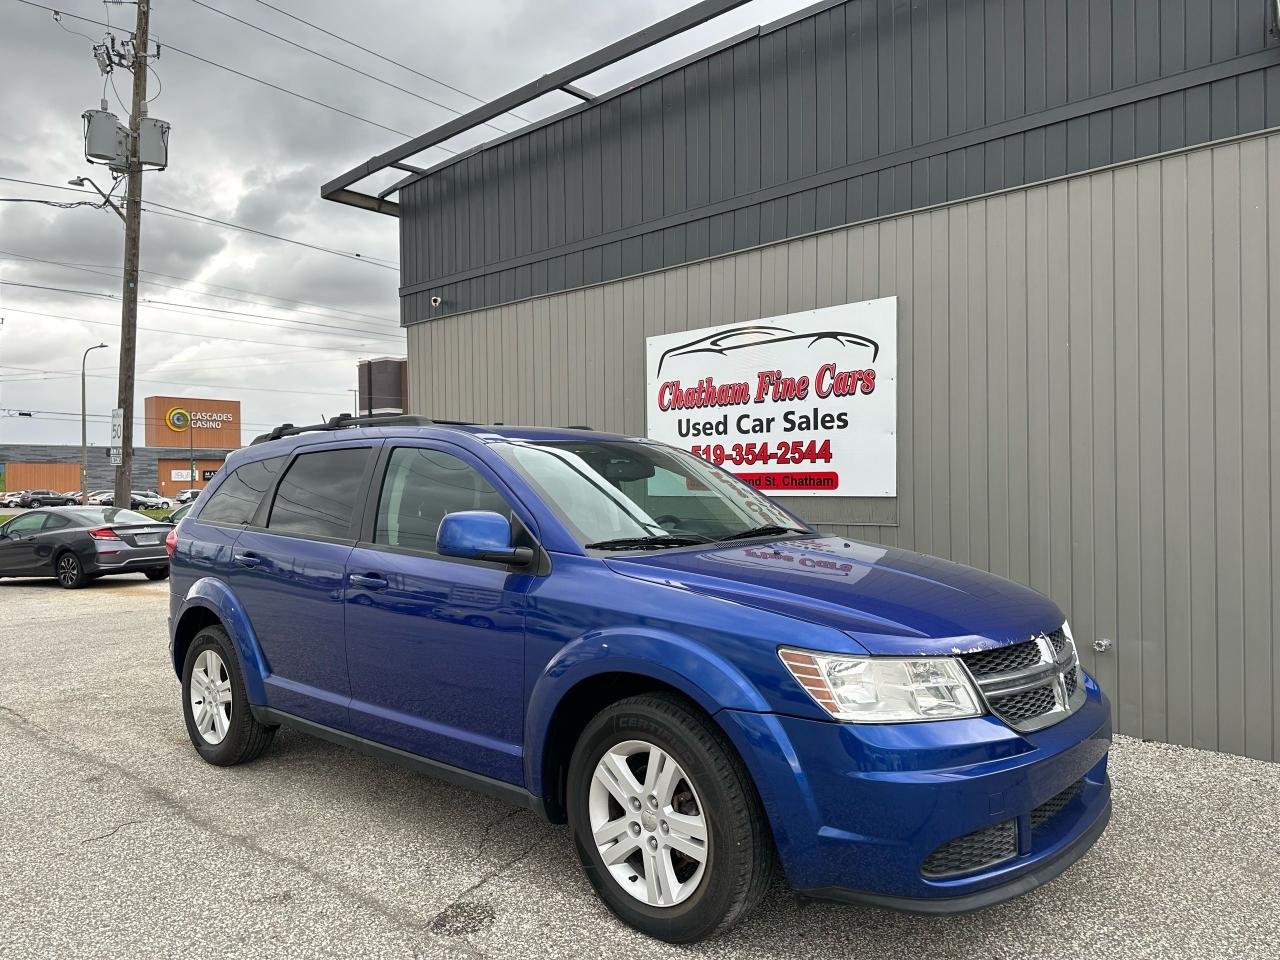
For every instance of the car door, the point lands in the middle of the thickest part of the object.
(435, 645)
(19, 542)
(289, 575)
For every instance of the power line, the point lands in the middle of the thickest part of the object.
(99, 268)
(385, 59)
(352, 326)
(189, 383)
(106, 417)
(340, 63)
(149, 204)
(188, 333)
(183, 309)
(238, 73)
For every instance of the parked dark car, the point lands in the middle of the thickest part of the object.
(78, 544)
(137, 501)
(44, 498)
(177, 515)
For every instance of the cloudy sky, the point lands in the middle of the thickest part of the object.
(227, 313)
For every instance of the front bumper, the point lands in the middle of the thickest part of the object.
(857, 809)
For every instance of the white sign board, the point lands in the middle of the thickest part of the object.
(798, 405)
(117, 436)
(180, 476)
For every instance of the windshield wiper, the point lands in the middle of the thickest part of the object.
(768, 530)
(645, 543)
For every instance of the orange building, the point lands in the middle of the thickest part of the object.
(191, 423)
(60, 477)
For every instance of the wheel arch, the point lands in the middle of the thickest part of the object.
(208, 603)
(595, 671)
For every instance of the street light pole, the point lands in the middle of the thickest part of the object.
(84, 428)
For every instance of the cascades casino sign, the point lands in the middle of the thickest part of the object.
(799, 405)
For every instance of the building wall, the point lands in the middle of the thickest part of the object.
(60, 477)
(1085, 405)
(848, 111)
(102, 474)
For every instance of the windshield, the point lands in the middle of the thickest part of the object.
(622, 490)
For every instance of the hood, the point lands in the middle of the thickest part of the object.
(891, 601)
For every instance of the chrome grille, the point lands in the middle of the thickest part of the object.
(1020, 707)
(1031, 684)
(1003, 659)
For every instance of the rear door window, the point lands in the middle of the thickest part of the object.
(317, 497)
(238, 497)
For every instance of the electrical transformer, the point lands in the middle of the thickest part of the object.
(153, 143)
(106, 139)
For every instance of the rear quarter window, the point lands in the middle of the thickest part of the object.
(238, 496)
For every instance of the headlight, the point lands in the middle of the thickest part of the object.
(885, 689)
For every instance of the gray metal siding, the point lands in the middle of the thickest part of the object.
(1085, 405)
(859, 110)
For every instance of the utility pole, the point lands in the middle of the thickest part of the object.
(132, 236)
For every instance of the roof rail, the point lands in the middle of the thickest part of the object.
(344, 421)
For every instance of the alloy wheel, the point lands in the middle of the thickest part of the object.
(648, 823)
(68, 570)
(211, 697)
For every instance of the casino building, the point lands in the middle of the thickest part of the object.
(181, 434)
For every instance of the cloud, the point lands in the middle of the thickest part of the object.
(240, 151)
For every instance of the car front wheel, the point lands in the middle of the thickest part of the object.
(666, 820)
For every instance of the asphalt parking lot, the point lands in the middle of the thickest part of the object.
(117, 841)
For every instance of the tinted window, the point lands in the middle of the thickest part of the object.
(27, 523)
(236, 500)
(56, 521)
(317, 497)
(420, 488)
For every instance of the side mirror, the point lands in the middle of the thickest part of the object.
(480, 535)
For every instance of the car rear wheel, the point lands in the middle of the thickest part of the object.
(69, 571)
(666, 820)
(215, 706)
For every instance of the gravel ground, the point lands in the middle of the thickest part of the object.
(117, 841)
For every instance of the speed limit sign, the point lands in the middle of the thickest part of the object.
(117, 436)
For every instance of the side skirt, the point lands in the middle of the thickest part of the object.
(509, 792)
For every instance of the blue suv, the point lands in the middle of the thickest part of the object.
(617, 634)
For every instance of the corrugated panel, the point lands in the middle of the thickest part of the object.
(1084, 405)
(863, 109)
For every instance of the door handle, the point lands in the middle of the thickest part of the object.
(246, 559)
(370, 582)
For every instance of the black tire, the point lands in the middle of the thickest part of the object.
(69, 571)
(160, 573)
(740, 853)
(245, 738)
